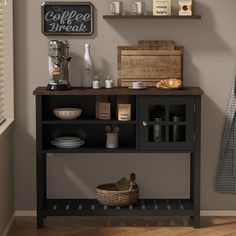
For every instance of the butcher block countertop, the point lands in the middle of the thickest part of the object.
(76, 91)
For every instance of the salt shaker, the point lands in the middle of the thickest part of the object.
(96, 82)
(109, 82)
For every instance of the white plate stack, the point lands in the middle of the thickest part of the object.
(68, 142)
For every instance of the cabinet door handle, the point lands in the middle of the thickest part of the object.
(144, 123)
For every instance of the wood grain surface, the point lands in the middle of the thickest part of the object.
(176, 17)
(167, 44)
(76, 91)
(106, 226)
(149, 62)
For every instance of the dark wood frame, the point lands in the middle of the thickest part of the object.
(67, 3)
(173, 17)
(144, 207)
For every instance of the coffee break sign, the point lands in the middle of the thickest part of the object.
(63, 18)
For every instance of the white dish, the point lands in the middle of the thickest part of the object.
(71, 141)
(61, 146)
(67, 139)
(137, 88)
(67, 113)
(72, 145)
(67, 144)
(68, 147)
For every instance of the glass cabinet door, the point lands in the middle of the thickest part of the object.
(166, 123)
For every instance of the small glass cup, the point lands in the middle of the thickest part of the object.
(109, 82)
(96, 82)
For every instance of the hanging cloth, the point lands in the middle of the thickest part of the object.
(226, 179)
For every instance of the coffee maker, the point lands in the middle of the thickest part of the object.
(58, 62)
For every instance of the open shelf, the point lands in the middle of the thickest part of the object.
(88, 121)
(94, 135)
(176, 17)
(91, 149)
(144, 207)
(96, 149)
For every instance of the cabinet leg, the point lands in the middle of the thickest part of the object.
(195, 166)
(39, 221)
(196, 222)
(41, 188)
(192, 177)
(195, 188)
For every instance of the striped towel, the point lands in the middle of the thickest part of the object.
(226, 179)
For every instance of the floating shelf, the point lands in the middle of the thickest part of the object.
(144, 207)
(194, 17)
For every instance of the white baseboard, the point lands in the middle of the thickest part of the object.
(9, 224)
(203, 213)
(25, 213)
(218, 213)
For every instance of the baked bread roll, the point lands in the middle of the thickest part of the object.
(170, 84)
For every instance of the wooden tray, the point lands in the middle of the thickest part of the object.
(149, 62)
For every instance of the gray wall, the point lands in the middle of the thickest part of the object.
(210, 58)
(6, 178)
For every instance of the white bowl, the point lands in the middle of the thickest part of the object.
(67, 113)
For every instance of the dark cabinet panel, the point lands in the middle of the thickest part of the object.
(166, 123)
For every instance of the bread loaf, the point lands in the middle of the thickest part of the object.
(169, 84)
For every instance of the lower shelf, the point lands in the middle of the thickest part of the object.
(144, 207)
(102, 149)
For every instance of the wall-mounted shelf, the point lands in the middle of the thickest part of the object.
(174, 17)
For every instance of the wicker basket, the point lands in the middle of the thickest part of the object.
(109, 195)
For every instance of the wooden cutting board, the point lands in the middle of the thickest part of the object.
(149, 62)
(165, 45)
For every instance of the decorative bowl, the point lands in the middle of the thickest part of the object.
(67, 113)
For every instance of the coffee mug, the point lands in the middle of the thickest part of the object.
(109, 83)
(138, 8)
(117, 8)
(96, 84)
(137, 84)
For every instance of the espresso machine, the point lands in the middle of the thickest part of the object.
(58, 62)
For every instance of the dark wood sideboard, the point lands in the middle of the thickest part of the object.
(136, 136)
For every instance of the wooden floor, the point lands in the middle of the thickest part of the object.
(104, 226)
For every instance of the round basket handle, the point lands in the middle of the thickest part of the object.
(133, 177)
(132, 181)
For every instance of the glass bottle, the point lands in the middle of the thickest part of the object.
(88, 68)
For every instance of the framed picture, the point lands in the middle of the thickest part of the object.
(67, 18)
